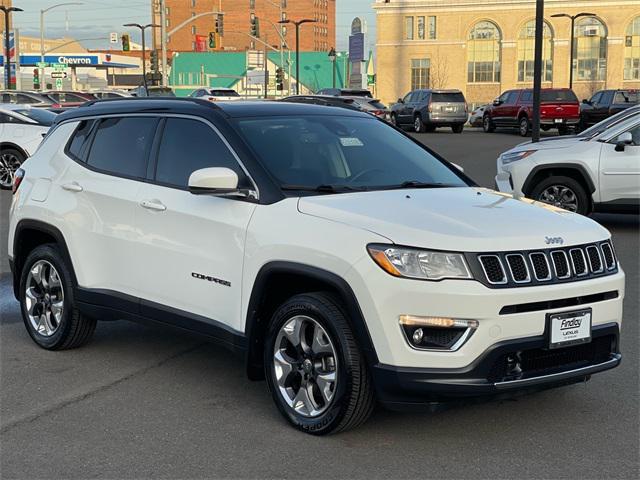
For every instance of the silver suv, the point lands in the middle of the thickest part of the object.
(425, 110)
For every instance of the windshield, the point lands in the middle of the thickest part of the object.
(605, 125)
(42, 117)
(333, 153)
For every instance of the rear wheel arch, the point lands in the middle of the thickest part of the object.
(275, 283)
(30, 234)
(14, 147)
(574, 171)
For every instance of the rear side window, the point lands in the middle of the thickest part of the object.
(121, 146)
(627, 97)
(527, 96)
(187, 146)
(447, 97)
(77, 145)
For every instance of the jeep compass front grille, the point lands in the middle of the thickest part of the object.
(539, 267)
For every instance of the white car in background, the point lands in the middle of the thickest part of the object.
(216, 94)
(22, 128)
(595, 171)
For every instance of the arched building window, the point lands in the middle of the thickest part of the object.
(590, 49)
(483, 53)
(632, 50)
(526, 50)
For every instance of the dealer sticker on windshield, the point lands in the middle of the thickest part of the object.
(569, 328)
(351, 142)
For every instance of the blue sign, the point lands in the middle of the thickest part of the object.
(70, 60)
(356, 47)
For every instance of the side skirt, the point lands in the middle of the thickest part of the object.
(110, 305)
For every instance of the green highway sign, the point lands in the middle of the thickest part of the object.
(42, 64)
(58, 83)
(59, 66)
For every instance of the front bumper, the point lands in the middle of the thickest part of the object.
(538, 368)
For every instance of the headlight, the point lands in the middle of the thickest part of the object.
(421, 264)
(510, 157)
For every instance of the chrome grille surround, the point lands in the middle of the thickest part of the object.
(535, 270)
(517, 257)
(484, 269)
(578, 251)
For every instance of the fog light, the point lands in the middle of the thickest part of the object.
(417, 335)
(437, 333)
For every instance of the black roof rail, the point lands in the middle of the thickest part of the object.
(101, 101)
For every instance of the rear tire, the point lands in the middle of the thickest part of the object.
(524, 127)
(393, 120)
(563, 192)
(563, 130)
(48, 304)
(418, 125)
(457, 128)
(309, 341)
(487, 124)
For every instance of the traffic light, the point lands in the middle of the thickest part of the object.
(154, 61)
(255, 27)
(36, 79)
(220, 24)
(212, 40)
(279, 78)
(125, 43)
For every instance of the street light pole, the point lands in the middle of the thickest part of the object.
(7, 46)
(537, 71)
(42, 12)
(332, 57)
(297, 24)
(144, 61)
(573, 21)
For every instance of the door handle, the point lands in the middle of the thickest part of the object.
(72, 187)
(153, 205)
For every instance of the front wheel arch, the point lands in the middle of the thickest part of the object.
(278, 281)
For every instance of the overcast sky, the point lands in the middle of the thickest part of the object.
(97, 18)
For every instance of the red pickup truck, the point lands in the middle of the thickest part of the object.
(559, 108)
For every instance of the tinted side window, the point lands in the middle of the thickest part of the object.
(121, 145)
(78, 143)
(596, 98)
(512, 97)
(527, 97)
(187, 146)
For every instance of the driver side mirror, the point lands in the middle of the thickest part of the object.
(623, 140)
(400, 100)
(586, 102)
(217, 181)
(497, 102)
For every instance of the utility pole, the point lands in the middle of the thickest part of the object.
(42, 52)
(7, 44)
(163, 41)
(537, 71)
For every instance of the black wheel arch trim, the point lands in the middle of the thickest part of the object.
(15, 147)
(527, 185)
(18, 256)
(254, 326)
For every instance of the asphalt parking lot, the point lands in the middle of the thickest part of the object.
(139, 402)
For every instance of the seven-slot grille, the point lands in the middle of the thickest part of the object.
(563, 264)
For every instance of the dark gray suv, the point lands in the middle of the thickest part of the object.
(425, 110)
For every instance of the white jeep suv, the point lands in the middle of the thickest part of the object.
(596, 170)
(345, 262)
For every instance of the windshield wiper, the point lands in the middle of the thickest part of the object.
(417, 184)
(324, 188)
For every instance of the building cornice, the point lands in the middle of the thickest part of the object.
(408, 6)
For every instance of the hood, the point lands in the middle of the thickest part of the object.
(550, 143)
(455, 219)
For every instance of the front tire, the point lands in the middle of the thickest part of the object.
(562, 192)
(47, 302)
(10, 161)
(317, 375)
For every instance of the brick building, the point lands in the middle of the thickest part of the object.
(484, 47)
(319, 36)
